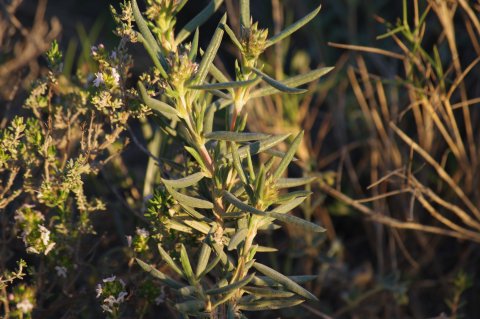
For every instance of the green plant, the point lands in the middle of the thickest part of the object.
(72, 128)
(215, 197)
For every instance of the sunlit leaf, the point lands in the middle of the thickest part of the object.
(269, 304)
(284, 281)
(277, 84)
(203, 258)
(294, 182)
(185, 181)
(198, 20)
(293, 82)
(189, 200)
(210, 53)
(229, 288)
(236, 136)
(294, 27)
(159, 275)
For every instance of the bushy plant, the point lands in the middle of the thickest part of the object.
(71, 129)
(215, 196)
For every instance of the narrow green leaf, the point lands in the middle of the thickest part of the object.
(193, 213)
(198, 20)
(229, 288)
(293, 82)
(210, 266)
(288, 156)
(236, 136)
(166, 258)
(189, 200)
(159, 106)
(267, 281)
(203, 258)
(251, 171)
(187, 267)
(223, 256)
(285, 208)
(277, 84)
(217, 74)
(232, 36)
(268, 226)
(260, 182)
(289, 196)
(259, 146)
(294, 182)
(268, 292)
(208, 119)
(210, 53)
(284, 280)
(264, 249)
(175, 225)
(237, 163)
(204, 228)
(294, 27)
(245, 13)
(159, 275)
(185, 181)
(294, 220)
(223, 85)
(229, 197)
(237, 238)
(192, 55)
(199, 159)
(269, 304)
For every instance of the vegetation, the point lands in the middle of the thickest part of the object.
(207, 162)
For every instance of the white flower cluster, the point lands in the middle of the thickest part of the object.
(25, 306)
(105, 72)
(36, 245)
(111, 302)
(142, 232)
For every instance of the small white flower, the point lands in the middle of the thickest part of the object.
(142, 232)
(94, 50)
(99, 290)
(159, 300)
(61, 271)
(44, 234)
(107, 308)
(32, 250)
(129, 241)
(49, 248)
(25, 306)
(19, 216)
(121, 296)
(98, 79)
(116, 76)
(109, 279)
(110, 301)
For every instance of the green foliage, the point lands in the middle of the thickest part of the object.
(215, 198)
